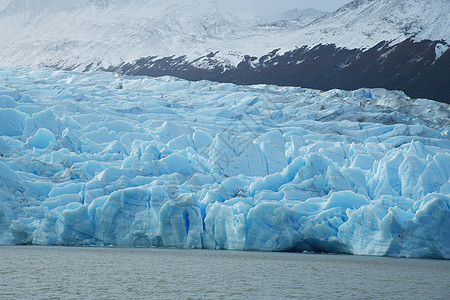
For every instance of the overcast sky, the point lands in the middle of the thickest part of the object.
(270, 7)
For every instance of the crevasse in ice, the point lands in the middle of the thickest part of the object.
(102, 159)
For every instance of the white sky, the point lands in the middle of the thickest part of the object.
(269, 7)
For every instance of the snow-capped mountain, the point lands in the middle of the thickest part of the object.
(110, 32)
(366, 43)
(365, 23)
(294, 17)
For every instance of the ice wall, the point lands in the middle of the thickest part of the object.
(99, 159)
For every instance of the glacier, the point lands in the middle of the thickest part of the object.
(99, 158)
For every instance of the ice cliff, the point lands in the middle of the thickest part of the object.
(102, 159)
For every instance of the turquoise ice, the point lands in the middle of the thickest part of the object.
(102, 159)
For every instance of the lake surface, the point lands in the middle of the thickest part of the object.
(148, 273)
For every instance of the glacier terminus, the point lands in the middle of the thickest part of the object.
(98, 158)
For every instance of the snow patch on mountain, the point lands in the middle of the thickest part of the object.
(440, 50)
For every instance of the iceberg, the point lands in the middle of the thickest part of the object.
(166, 162)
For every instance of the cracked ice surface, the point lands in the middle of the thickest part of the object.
(101, 159)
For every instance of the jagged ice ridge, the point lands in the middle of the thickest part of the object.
(103, 159)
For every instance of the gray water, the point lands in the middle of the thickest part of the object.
(30, 272)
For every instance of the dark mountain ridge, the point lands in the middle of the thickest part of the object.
(408, 66)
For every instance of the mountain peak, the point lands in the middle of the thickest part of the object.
(303, 15)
